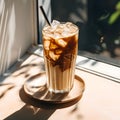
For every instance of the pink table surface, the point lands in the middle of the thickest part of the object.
(100, 100)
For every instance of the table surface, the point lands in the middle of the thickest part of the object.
(100, 100)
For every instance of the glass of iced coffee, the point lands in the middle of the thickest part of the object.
(60, 43)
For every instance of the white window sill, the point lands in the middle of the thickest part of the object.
(98, 68)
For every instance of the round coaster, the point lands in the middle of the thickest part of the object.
(35, 88)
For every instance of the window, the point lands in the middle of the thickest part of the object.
(99, 23)
(41, 20)
(21, 22)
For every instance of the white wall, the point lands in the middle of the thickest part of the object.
(17, 26)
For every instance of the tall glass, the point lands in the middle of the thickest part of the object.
(60, 43)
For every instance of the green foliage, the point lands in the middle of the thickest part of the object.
(118, 6)
(114, 17)
(115, 14)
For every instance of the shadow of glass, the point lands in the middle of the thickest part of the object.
(29, 112)
(45, 104)
(44, 94)
(38, 110)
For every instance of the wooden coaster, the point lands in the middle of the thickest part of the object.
(35, 88)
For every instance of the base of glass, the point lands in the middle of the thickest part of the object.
(59, 91)
(36, 90)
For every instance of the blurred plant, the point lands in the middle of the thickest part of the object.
(115, 15)
(109, 28)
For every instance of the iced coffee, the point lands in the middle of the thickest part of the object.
(60, 42)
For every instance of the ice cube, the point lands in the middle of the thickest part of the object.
(57, 35)
(70, 28)
(53, 46)
(58, 51)
(68, 24)
(46, 37)
(55, 23)
(53, 56)
(65, 33)
(61, 42)
(46, 28)
(46, 44)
